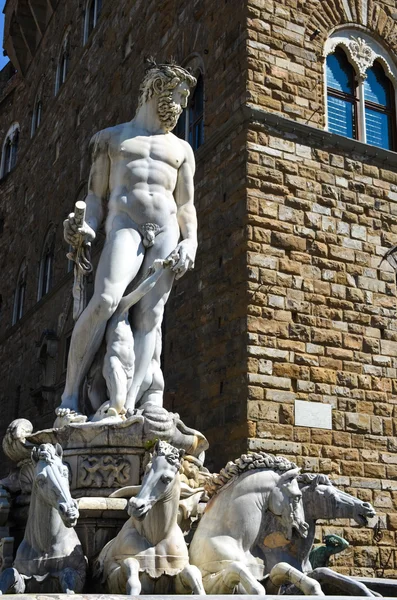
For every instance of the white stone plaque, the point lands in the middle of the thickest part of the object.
(313, 414)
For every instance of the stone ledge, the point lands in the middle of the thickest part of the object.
(257, 116)
(44, 596)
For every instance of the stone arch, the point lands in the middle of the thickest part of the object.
(327, 15)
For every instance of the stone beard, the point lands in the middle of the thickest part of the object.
(168, 110)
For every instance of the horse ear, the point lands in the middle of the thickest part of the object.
(35, 455)
(288, 476)
(58, 450)
(156, 446)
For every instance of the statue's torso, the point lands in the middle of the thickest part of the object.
(143, 174)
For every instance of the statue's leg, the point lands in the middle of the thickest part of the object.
(70, 581)
(116, 382)
(189, 581)
(130, 568)
(11, 582)
(283, 573)
(120, 261)
(237, 573)
(147, 315)
(340, 583)
(152, 388)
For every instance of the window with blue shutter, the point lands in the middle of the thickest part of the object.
(341, 97)
(379, 107)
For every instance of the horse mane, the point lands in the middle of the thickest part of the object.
(247, 462)
(46, 452)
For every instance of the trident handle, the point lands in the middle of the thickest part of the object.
(79, 212)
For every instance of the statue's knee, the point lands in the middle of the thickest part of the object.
(106, 304)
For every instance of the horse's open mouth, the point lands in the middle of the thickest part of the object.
(70, 520)
(139, 513)
(362, 520)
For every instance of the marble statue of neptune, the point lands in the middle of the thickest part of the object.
(144, 174)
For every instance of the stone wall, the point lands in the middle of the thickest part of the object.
(285, 49)
(322, 317)
(288, 299)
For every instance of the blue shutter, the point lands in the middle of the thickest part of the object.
(378, 128)
(378, 103)
(340, 94)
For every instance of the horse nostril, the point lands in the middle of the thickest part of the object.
(62, 508)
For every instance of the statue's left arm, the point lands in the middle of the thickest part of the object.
(186, 214)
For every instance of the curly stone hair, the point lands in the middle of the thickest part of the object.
(162, 78)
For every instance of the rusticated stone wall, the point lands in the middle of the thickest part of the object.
(285, 49)
(321, 308)
(322, 319)
(288, 299)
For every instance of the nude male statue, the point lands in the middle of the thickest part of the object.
(119, 361)
(146, 173)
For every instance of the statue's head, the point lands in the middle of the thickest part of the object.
(171, 84)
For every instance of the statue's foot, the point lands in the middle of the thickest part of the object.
(108, 414)
(66, 416)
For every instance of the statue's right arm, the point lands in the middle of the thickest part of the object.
(98, 184)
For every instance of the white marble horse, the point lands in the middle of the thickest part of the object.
(50, 557)
(321, 500)
(227, 543)
(149, 554)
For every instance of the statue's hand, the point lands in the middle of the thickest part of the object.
(74, 235)
(184, 256)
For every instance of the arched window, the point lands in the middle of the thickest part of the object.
(341, 95)
(10, 150)
(196, 115)
(36, 117)
(92, 12)
(63, 64)
(46, 264)
(361, 79)
(19, 297)
(190, 126)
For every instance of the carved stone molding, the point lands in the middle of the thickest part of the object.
(362, 51)
(104, 471)
(362, 55)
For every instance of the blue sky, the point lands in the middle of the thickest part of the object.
(3, 59)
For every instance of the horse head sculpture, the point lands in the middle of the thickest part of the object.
(322, 500)
(51, 482)
(247, 497)
(150, 553)
(158, 481)
(285, 501)
(50, 557)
